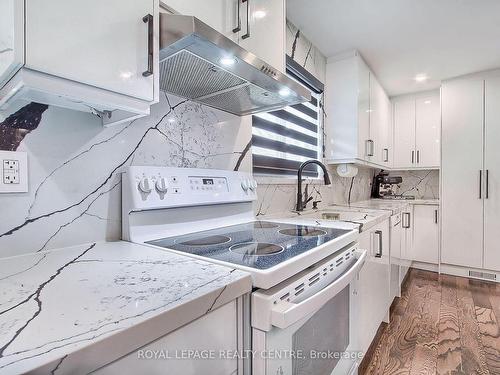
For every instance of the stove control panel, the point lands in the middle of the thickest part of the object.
(150, 187)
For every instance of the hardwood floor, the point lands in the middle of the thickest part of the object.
(440, 325)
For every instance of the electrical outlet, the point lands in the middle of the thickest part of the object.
(14, 172)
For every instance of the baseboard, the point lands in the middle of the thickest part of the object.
(470, 272)
(425, 266)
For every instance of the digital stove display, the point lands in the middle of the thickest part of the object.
(257, 244)
(208, 181)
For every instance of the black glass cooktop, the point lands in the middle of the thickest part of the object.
(257, 244)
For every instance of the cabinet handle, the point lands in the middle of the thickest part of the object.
(436, 216)
(418, 156)
(413, 157)
(238, 24)
(487, 184)
(386, 153)
(148, 18)
(408, 220)
(369, 147)
(247, 35)
(480, 184)
(380, 249)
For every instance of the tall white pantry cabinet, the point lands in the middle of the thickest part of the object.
(470, 174)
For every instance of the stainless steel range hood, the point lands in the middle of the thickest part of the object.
(199, 63)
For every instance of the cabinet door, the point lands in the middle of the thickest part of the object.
(220, 334)
(363, 110)
(373, 284)
(404, 133)
(428, 131)
(380, 122)
(426, 233)
(263, 30)
(386, 136)
(99, 43)
(492, 180)
(461, 165)
(11, 38)
(222, 15)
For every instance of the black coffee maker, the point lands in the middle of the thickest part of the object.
(383, 185)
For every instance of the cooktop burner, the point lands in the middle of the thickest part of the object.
(256, 248)
(207, 241)
(256, 244)
(302, 231)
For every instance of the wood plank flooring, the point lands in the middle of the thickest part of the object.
(441, 325)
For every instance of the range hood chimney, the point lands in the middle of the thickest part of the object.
(201, 64)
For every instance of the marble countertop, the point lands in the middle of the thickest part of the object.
(78, 308)
(394, 205)
(350, 217)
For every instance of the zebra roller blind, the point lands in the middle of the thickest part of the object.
(283, 139)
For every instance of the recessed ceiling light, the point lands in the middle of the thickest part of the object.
(227, 61)
(421, 77)
(284, 92)
(427, 102)
(259, 14)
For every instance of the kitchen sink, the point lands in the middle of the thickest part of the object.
(339, 216)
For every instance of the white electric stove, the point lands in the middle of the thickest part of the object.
(298, 270)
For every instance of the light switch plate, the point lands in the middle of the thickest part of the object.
(13, 172)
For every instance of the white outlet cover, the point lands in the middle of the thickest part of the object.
(13, 172)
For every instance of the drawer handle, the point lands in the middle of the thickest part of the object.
(148, 18)
(379, 252)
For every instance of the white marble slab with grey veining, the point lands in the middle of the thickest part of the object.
(73, 310)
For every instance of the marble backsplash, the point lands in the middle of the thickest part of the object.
(281, 198)
(421, 184)
(74, 166)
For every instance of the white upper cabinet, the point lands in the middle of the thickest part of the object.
(428, 130)
(380, 123)
(404, 133)
(95, 56)
(11, 37)
(105, 47)
(222, 15)
(417, 128)
(263, 30)
(256, 25)
(357, 125)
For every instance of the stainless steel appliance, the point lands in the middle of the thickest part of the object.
(383, 185)
(199, 63)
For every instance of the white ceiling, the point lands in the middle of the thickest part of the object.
(402, 38)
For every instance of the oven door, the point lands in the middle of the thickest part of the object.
(313, 333)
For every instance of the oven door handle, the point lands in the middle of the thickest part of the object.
(285, 314)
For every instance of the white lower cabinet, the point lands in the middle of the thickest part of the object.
(373, 285)
(406, 241)
(215, 332)
(396, 234)
(425, 234)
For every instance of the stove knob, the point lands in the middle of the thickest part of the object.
(254, 185)
(145, 185)
(244, 185)
(161, 185)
